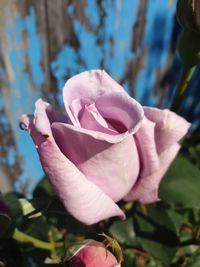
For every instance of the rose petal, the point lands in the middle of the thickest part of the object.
(121, 111)
(88, 85)
(167, 135)
(54, 115)
(83, 199)
(41, 120)
(146, 189)
(44, 115)
(91, 119)
(145, 141)
(170, 127)
(76, 108)
(112, 167)
(39, 125)
(27, 122)
(88, 88)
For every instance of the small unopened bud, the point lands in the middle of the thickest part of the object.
(90, 254)
(189, 48)
(188, 14)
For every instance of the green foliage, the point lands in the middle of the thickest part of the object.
(193, 261)
(5, 222)
(189, 51)
(166, 233)
(124, 232)
(194, 154)
(156, 233)
(129, 259)
(181, 184)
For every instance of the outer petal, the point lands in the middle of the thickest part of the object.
(26, 123)
(146, 189)
(112, 167)
(41, 120)
(45, 115)
(89, 84)
(145, 140)
(83, 199)
(39, 125)
(170, 127)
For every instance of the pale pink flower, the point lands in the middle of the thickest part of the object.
(108, 148)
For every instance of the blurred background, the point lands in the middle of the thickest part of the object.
(45, 42)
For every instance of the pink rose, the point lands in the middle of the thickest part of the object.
(91, 254)
(109, 148)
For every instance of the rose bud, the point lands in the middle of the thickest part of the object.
(188, 14)
(188, 46)
(3, 208)
(90, 254)
(108, 148)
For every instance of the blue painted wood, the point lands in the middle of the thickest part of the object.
(104, 39)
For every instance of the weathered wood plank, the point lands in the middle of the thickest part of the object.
(45, 42)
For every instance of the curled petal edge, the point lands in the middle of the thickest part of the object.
(146, 189)
(81, 198)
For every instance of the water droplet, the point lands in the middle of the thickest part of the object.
(23, 126)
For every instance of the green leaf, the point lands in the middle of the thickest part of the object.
(43, 190)
(194, 153)
(194, 261)
(156, 232)
(38, 228)
(129, 259)
(11, 254)
(36, 257)
(181, 184)
(5, 222)
(57, 215)
(179, 217)
(13, 203)
(28, 209)
(123, 231)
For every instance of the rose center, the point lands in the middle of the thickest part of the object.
(91, 119)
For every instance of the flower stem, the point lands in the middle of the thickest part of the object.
(22, 237)
(186, 75)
